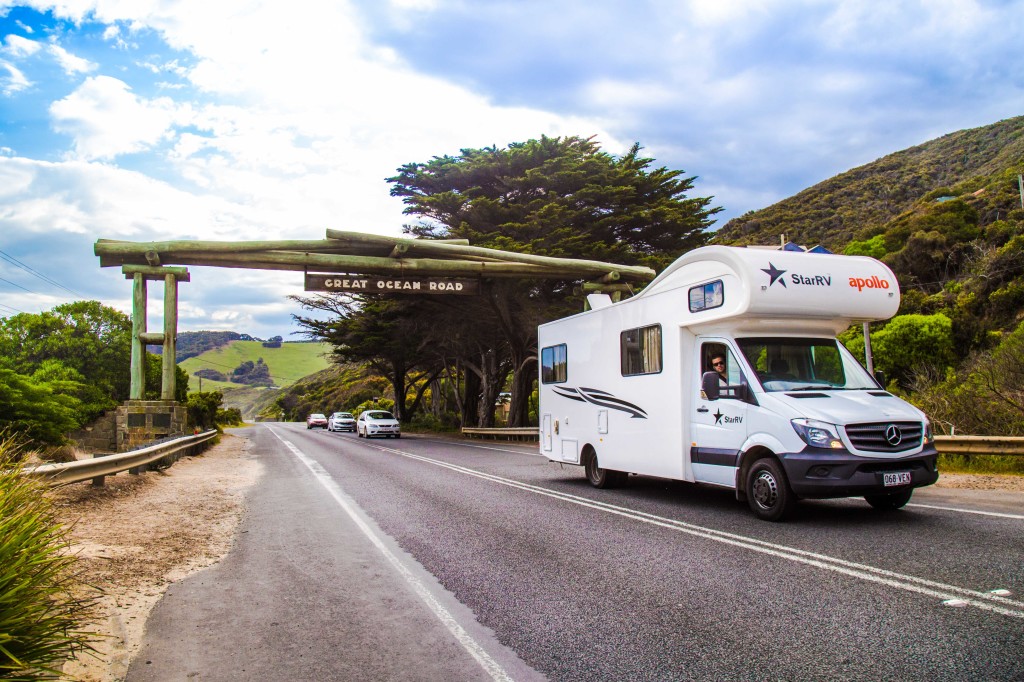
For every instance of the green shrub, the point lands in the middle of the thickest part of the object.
(43, 614)
(202, 409)
(232, 416)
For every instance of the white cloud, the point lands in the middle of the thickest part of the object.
(15, 81)
(105, 119)
(69, 62)
(18, 47)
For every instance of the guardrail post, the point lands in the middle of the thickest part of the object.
(98, 481)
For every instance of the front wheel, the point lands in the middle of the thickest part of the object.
(768, 490)
(891, 501)
(398, 435)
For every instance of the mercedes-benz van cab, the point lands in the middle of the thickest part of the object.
(629, 387)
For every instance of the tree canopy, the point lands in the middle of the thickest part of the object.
(559, 197)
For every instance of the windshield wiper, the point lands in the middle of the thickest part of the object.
(816, 387)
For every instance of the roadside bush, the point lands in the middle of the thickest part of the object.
(43, 614)
(202, 409)
(232, 416)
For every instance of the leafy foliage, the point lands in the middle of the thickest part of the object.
(86, 338)
(39, 410)
(202, 409)
(253, 373)
(43, 615)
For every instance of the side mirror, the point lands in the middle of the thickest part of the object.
(880, 378)
(709, 385)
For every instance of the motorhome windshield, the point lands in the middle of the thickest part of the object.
(793, 364)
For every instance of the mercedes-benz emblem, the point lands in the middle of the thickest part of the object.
(893, 435)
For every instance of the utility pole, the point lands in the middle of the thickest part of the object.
(1020, 184)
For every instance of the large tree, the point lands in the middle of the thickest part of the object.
(562, 197)
(87, 337)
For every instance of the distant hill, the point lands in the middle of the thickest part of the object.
(864, 200)
(285, 364)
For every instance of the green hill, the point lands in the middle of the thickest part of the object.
(287, 364)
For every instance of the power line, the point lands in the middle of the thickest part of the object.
(19, 286)
(4, 305)
(14, 261)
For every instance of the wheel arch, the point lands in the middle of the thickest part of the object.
(747, 459)
(586, 452)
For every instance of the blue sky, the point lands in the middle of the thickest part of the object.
(181, 119)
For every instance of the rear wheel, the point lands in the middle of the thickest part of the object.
(891, 501)
(768, 490)
(602, 478)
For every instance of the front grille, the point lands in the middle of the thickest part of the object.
(879, 436)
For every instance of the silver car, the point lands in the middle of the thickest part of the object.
(342, 421)
(377, 423)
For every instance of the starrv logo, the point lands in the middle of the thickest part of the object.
(775, 274)
(874, 282)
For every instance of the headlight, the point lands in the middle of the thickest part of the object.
(929, 435)
(818, 434)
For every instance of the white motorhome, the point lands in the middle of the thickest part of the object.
(628, 387)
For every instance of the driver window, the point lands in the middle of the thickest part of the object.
(717, 358)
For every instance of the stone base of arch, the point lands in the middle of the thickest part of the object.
(141, 422)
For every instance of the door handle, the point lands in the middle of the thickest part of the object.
(703, 409)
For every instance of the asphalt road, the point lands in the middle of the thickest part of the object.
(433, 559)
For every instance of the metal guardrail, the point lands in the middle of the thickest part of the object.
(107, 465)
(980, 445)
(511, 433)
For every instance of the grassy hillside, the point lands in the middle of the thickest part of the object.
(288, 364)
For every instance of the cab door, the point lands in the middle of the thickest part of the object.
(718, 424)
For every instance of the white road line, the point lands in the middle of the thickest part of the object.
(492, 667)
(968, 511)
(942, 591)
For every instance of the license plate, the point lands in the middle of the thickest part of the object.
(896, 478)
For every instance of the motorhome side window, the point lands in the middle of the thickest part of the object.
(553, 364)
(706, 296)
(640, 350)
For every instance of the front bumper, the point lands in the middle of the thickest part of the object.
(820, 473)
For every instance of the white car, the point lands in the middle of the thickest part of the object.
(341, 421)
(377, 423)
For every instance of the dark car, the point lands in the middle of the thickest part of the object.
(316, 421)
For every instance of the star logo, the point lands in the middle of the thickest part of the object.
(718, 416)
(775, 274)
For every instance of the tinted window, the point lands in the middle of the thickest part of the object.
(640, 350)
(553, 364)
(706, 296)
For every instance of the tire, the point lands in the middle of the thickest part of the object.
(768, 491)
(359, 433)
(890, 501)
(398, 435)
(602, 478)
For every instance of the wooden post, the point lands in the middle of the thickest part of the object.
(169, 377)
(138, 383)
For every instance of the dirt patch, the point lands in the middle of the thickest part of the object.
(137, 535)
(981, 481)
